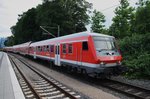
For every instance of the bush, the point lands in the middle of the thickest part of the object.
(136, 55)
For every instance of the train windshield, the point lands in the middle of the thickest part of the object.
(104, 43)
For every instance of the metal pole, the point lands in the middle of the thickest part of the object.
(47, 31)
(58, 30)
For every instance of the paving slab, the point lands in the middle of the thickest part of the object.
(9, 85)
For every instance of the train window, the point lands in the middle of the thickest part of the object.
(39, 48)
(36, 48)
(48, 47)
(52, 48)
(30, 49)
(58, 49)
(70, 48)
(84, 45)
(55, 49)
(64, 48)
(45, 48)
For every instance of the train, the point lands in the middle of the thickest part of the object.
(92, 53)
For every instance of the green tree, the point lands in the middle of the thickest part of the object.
(121, 22)
(98, 20)
(9, 41)
(26, 29)
(136, 55)
(142, 17)
(71, 15)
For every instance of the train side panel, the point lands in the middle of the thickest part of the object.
(78, 51)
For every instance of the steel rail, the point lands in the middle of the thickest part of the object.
(112, 84)
(109, 82)
(46, 79)
(26, 80)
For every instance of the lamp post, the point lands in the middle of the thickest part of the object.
(58, 28)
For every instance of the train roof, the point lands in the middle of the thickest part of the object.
(75, 35)
(22, 45)
(6, 47)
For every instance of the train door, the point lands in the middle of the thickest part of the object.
(57, 54)
(79, 54)
(34, 52)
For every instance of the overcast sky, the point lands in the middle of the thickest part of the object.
(9, 10)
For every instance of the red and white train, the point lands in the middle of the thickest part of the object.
(93, 53)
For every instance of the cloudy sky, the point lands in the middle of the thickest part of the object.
(9, 10)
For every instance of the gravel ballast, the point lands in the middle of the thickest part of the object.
(84, 88)
(90, 90)
(137, 82)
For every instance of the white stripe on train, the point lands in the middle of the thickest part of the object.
(70, 61)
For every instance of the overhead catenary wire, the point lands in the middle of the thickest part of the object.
(131, 2)
(110, 7)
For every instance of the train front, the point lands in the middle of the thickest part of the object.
(108, 55)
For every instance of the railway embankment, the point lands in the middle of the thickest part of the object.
(89, 86)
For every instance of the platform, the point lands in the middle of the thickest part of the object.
(9, 85)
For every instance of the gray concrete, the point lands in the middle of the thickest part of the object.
(1, 57)
(9, 86)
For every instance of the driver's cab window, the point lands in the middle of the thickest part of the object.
(85, 45)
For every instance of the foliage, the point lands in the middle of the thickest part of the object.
(2, 40)
(142, 18)
(9, 41)
(136, 54)
(136, 48)
(26, 29)
(121, 22)
(71, 15)
(98, 20)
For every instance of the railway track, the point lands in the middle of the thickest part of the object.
(127, 89)
(36, 85)
(124, 88)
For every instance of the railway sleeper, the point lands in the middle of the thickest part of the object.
(54, 97)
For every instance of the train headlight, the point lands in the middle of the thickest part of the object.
(102, 63)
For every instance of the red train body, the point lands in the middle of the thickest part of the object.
(96, 54)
